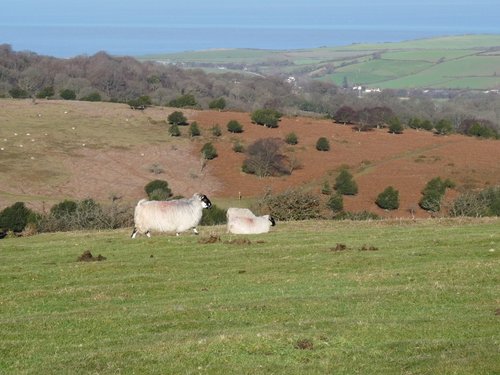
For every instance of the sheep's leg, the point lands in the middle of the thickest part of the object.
(134, 233)
(148, 234)
(195, 231)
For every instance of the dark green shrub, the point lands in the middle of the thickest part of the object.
(345, 184)
(68, 94)
(234, 126)
(174, 131)
(46, 92)
(186, 100)
(427, 125)
(433, 193)
(266, 117)
(388, 199)
(322, 144)
(291, 205)
(291, 139)
(219, 104)
(158, 190)
(208, 151)
(19, 93)
(92, 97)
(395, 126)
(140, 102)
(63, 209)
(16, 217)
(336, 204)
(482, 131)
(443, 127)
(213, 216)
(177, 118)
(194, 130)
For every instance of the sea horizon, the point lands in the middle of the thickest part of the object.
(66, 41)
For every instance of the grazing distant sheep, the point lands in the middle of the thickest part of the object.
(243, 221)
(176, 215)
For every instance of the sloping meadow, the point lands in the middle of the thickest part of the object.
(310, 297)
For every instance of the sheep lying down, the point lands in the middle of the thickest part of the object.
(176, 215)
(243, 221)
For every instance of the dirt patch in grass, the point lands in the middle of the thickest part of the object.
(88, 257)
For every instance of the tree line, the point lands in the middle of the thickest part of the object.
(102, 77)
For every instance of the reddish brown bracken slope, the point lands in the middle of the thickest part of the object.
(377, 159)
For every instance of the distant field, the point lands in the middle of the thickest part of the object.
(470, 61)
(314, 297)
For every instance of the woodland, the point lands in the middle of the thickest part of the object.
(102, 77)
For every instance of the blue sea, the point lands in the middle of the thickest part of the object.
(68, 41)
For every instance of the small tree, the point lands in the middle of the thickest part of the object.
(322, 144)
(264, 158)
(177, 118)
(208, 151)
(443, 127)
(345, 184)
(16, 217)
(194, 130)
(291, 139)
(186, 100)
(345, 115)
(174, 131)
(219, 104)
(433, 193)
(63, 209)
(158, 190)
(234, 126)
(266, 117)
(388, 199)
(395, 126)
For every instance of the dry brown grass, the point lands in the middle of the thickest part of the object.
(99, 150)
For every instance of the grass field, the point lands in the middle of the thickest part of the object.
(314, 297)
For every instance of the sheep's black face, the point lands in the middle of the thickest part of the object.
(205, 201)
(273, 223)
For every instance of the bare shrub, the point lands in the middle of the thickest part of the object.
(88, 215)
(265, 158)
(291, 205)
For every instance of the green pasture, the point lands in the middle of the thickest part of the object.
(453, 62)
(313, 297)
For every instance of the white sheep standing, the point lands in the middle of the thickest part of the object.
(177, 215)
(244, 221)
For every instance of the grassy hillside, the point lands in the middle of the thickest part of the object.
(56, 150)
(308, 298)
(459, 62)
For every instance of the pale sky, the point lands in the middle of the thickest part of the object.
(254, 12)
(67, 27)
